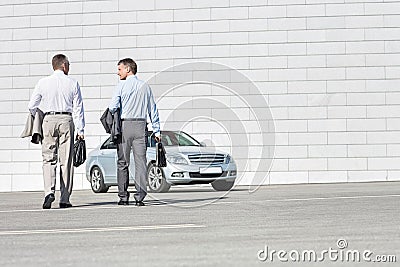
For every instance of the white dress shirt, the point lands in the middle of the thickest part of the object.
(60, 93)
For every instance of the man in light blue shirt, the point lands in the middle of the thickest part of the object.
(135, 100)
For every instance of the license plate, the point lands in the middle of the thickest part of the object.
(210, 170)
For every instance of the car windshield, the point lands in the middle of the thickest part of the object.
(170, 138)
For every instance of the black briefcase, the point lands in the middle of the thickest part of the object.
(79, 152)
(161, 160)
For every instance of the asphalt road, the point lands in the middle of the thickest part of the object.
(196, 226)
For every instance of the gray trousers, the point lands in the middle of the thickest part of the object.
(58, 145)
(133, 138)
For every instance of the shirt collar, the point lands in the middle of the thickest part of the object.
(58, 72)
(131, 77)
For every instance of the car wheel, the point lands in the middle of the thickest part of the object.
(97, 181)
(156, 179)
(221, 185)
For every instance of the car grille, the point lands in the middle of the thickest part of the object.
(207, 175)
(207, 159)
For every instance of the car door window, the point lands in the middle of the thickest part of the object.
(108, 144)
(182, 141)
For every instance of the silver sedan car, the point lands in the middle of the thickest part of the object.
(188, 162)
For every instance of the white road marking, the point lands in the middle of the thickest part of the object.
(54, 210)
(106, 229)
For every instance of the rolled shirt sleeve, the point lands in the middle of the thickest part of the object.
(153, 113)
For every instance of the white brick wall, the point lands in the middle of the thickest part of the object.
(329, 69)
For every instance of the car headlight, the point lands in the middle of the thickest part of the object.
(176, 159)
(227, 159)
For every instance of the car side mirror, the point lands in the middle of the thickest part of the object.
(202, 144)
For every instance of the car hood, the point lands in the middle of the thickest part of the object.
(187, 150)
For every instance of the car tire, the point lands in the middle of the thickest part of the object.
(97, 181)
(221, 185)
(156, 179)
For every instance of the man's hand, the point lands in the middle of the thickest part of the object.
(158, 139)
(80, 137)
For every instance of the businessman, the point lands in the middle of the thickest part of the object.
(59, 97)
(135, 100)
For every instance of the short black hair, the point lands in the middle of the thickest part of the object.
(129, 63)
(58, 60)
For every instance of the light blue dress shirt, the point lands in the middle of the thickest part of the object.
(135, 99)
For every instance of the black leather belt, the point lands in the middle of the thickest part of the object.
(133, 119)
(58, 113)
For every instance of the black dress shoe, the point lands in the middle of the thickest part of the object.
(48, 200)
(65, 205)
(123, 202)
(139, 203)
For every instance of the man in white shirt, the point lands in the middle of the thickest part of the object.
(59, 97)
